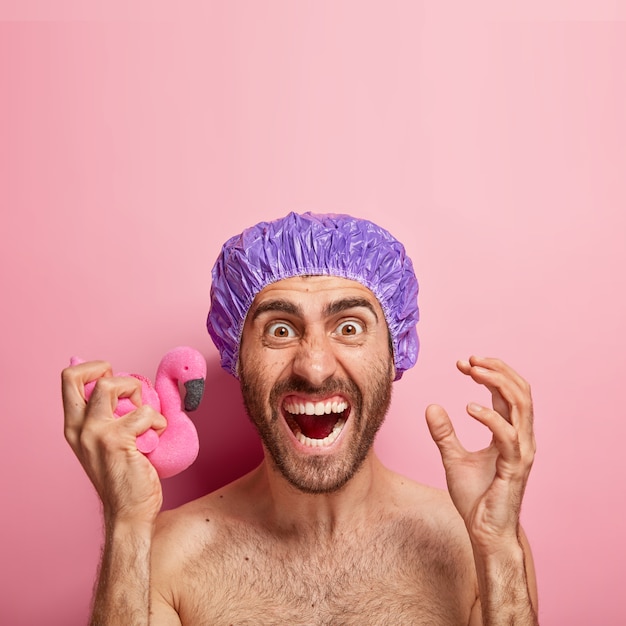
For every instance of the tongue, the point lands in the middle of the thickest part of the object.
(317, 426)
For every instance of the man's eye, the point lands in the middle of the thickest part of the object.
(280, 329)
(349, 329)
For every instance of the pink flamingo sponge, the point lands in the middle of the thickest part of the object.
(177, 446)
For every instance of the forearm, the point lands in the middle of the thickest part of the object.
(507, 596)
(122, 594)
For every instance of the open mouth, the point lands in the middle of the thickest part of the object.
(316, 423)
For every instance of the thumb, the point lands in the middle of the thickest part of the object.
(442, 431)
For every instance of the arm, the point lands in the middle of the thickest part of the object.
(126, 482)
(507, 588)
(487, 488)
(122, 593)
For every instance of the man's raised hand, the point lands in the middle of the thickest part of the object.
(487, 486)
(125, 480)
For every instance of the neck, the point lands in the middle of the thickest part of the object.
(287, 508)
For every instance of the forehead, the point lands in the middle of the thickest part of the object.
(311, 290)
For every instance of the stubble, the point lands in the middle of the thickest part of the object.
(317, 474)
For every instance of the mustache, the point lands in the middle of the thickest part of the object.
(330, 386)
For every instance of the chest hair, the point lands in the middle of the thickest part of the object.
(395, 572)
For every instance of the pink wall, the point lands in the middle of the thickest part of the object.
(130, 150)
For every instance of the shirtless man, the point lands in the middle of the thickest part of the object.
(316, 315)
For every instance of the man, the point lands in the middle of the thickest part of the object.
(316, 316)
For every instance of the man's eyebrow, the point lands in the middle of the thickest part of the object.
(349, 303)
(278, 306)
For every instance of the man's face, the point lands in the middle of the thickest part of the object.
(316, 372)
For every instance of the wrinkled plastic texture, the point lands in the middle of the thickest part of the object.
(333, 245)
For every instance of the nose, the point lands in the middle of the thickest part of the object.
(315, 360)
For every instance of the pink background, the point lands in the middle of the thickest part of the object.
(493, 142)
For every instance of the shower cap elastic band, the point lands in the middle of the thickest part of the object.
(312, 244)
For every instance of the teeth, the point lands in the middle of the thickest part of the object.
(318, 443)
(316, 408)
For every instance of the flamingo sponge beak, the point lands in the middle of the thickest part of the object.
(194, 390)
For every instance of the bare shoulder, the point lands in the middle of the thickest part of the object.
(434, 524)
(431, 505)
(195, 520)
(184, 536)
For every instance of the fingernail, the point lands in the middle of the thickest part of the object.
(475, 408)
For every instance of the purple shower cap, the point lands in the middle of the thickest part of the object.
(327, 245)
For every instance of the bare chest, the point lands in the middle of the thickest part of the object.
(387, 577)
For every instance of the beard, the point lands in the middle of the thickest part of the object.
(317, 474)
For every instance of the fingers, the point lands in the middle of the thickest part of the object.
(491, 364)
(487, 485)
(442, 431)
(106, 445)
(511, 418)
(119, 434)
(76, 376)
(505, 435)
(73, 381)
(511, 394)
(108, 389)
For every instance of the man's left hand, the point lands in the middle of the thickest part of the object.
(487, 486)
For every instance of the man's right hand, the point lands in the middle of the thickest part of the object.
(125, 480)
